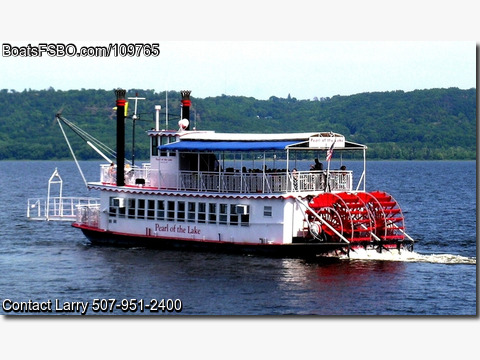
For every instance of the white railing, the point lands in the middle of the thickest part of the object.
(340, 180)
(235, 182)
(57, 208)
(88, 215)
(265, 182)
(133, 176)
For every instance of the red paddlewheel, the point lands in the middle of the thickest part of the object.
(345, 213)
(326, 206)
(388, 217)
(361, 223)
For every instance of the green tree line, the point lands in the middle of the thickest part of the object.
(433, 124)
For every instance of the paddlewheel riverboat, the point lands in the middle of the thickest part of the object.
(209, 190)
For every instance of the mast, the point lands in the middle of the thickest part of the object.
(120, 94)
(134, 118)
(166, 110)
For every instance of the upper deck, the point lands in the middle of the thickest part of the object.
(212, 162)
(234, 181)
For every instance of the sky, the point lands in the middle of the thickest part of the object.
(260, 69)
(253, 48)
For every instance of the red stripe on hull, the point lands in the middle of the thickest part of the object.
(304, 250)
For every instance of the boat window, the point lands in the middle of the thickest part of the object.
(267, 211)
(244, 211)
(121, 212)
(160, 210)
(245, 219)
(233, 215)
(171, 210)
(154, 145)
(141, 209)
(112, 210)
(202, 209)
(163, 141)
(151, 209)
(131, 208)
(191, 211)
(181, 211)
(212, 213)
(223, 214)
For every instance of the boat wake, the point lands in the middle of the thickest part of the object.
(410, 256)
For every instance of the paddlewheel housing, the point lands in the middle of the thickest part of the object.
(363, 218)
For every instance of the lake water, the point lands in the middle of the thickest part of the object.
(51, 261)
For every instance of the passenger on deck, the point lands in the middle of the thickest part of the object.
(128, 173)
(318, 165)
(319, 178)
(343, 179)
(111, 173)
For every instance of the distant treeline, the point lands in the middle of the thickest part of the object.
(433, 124)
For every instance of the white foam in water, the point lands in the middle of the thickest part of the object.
(409, 256)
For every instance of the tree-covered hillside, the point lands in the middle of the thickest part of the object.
(422, 124)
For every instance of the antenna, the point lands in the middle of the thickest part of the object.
(134, 118)
(166, 109)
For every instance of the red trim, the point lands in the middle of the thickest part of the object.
(121, 102)
(131, 186)
(141, 187)
(186, 102)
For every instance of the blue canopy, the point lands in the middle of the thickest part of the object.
(191, 145)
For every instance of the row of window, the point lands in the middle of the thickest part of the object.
(164, 140)
(182, 211)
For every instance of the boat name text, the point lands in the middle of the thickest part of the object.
(174, 228)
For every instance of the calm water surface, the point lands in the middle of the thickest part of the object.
(42, 261)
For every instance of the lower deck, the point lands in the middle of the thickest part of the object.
(196, 217)
(347, 219)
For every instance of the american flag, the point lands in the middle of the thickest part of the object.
(330, 151)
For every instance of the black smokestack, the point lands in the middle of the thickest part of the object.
(120, 94)
(186, 106)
